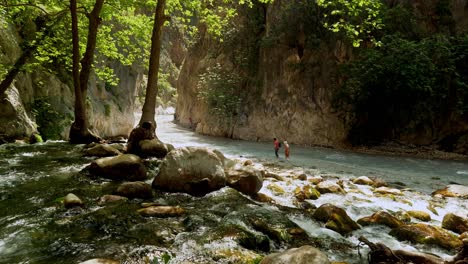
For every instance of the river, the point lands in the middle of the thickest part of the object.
(36, 228)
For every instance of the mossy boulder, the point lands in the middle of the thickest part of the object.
(335, 218)
(455, 223)
(193, 170)
(427, 234)
(302, 255)
(381, 218)
(263, 198)
(154, 148)
(123, 167)
(420, 215)
(276, 189)
(329, 187)
(135, 190)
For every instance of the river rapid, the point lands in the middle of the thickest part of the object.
(217, 228)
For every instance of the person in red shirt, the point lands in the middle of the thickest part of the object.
(277, 146)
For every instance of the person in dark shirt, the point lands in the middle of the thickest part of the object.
(277, 146)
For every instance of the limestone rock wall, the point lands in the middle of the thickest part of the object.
(292, 102)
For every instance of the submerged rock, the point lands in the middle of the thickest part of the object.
(427, 234)
(455, 223)
(335, 219)
(193, 170)
(162, 211)
(101, 150)
(123, 167)
(109, 198)
(135, 190)
(387, 190)
(302, 255)
(453, 190)
(72, 200)
(381, 218)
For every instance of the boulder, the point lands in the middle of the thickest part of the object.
(123, 167)
(155, 148)
(246, 179)
(363, 180)
(316, 179)
(161, 211)
(420, 215)
(72, 200)
(453, 190)
(427, 234)
(381, 218)
(193, 170)
(108, 198)
(272, 175)
(135, 190)
(335, 219)
(101, 150)
(276, 189)
(307, 192)
(329, 187)
(302, 255)
(455, 223)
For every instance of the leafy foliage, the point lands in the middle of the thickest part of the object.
(50, 121)
(219, 88)
(405, 84)
(356, 19)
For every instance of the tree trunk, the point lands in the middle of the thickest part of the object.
(152, 88)
(79, 132)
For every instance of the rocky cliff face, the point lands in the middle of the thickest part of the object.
(110, 109)
(291, 97)
(294, 76)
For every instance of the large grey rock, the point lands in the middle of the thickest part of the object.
(302, 255)
(245, 177)
(192, 170)
(71, 200)
(123, 167)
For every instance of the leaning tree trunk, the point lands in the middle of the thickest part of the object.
(149, 107)
(79, 131)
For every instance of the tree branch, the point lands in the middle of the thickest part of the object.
(30, 5)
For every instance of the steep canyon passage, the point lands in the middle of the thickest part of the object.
(221, 227)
